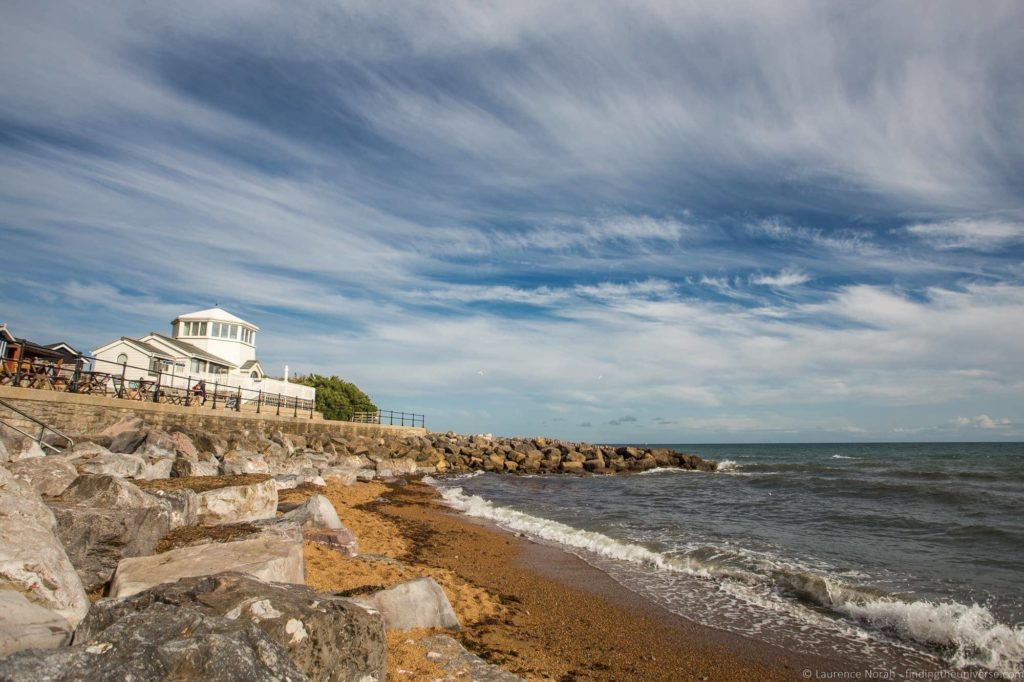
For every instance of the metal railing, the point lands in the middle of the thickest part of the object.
(43, 428)
(390, 417)
(147, 384)
(155, 386)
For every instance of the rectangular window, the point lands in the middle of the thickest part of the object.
(197, 365)
(234, 331)
(224, 330)
(202, 329)
(216, 329)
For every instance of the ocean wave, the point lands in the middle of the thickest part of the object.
(668, 470)
(967, 635)
(842, 457)
(728, 465)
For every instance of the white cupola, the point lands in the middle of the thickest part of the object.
(218, 332)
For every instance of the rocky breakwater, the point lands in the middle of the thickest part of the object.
(450, 451)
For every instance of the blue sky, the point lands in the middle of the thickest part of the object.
(644, 221)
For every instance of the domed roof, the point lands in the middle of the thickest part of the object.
(215, 314)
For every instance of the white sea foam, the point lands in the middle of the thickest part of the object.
(842, 457)
(728, 465)
(657, 471)
(971, 633)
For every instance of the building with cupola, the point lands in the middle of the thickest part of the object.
(210, 344)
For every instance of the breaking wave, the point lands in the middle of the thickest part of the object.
(966, 635)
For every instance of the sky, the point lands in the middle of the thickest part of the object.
(609, 221)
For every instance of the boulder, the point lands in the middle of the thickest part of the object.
(163, 642)
(419, 603)
(85, 450)
(184, 447)
(112, 464)
(184, 506)
(339, 539)
(24, 625)
(353, 462)
(286, 482)
(274, 555)
(239, 503)
(396, 467)
(103, 519)
(458, 663)
(572, 467)
(338, 475)
(206, 441)
(29, 449)
(327, 637)
(5, 455)
(187, 468)
(126, 435)
(316, 512)
(155, 468)
(46, 475)
(244, 462)
(32, 560)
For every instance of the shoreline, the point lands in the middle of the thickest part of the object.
(536, 610)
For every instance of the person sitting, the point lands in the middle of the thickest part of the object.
(199, 391)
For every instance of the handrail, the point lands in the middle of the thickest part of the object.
(43, 428)
(94, 376)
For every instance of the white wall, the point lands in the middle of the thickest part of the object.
(138, 362)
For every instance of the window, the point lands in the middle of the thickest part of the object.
(122, 359)
(198, 365)
(216, 329)
(234, 331)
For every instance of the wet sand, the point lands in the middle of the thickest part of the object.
(532, 609)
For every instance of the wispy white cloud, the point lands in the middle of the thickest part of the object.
(983, 235)
(781, 280)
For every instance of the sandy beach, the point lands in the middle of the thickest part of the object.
(532, 609)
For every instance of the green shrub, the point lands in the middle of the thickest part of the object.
(336, 398)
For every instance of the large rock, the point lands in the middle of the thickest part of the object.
(396, 467)
(48, 476)
(243, 462)
(32, 560)
(163, 642)
(103, 519)
(126, 435)
(320, 524)
(419, 603)
(327, 637)
(24, 625)
(27, 449)
(338, 476)
(184, 505)
(189, 468)
(316, 512)
(158, 455)
(458, 663)
(274, 555)
(184, 447)
(238, 503)
(113, 464)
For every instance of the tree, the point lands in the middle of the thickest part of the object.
(336, 398)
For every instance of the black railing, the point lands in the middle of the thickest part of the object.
(391, 418)
(147, 384)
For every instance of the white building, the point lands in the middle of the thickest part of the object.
(208, 344)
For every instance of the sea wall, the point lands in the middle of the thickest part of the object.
(75, 413)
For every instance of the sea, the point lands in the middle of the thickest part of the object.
(898, 556)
